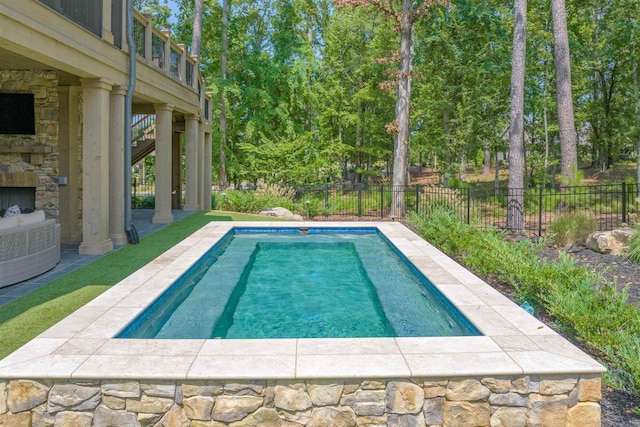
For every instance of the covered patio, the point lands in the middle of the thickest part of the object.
(68, 61)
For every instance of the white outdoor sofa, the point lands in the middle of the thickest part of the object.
(29, 246)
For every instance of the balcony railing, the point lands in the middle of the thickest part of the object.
(106, 19)
(87, 14)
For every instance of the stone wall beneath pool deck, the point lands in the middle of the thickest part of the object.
(525, 401)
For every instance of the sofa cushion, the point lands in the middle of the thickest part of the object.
(31, 218)
(6, 223)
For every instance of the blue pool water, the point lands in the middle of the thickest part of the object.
(284, 283)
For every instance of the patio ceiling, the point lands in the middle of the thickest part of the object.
(12, 61)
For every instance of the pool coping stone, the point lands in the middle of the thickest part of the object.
(81, 346)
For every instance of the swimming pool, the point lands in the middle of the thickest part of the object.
(300, 283)
(518, 371)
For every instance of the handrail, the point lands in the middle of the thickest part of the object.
(144, 128)
(165, 65)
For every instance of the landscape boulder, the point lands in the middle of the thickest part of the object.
(613, 242)
(281, 213)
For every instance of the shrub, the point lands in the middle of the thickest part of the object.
(275, 191)
(573, 227)
(593, 312)
(143, 202)
(250, 202)
(634, 246)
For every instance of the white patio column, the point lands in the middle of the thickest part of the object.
(201, 171)
(116, 166)
(208, 152)
(163, 213)
(176, 171)
(191, 162)
(69, 171)
(95, 167)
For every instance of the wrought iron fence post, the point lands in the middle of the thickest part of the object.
(135, 192)
(359, 200)
(468, 205)
(417, 197)
(624, 202)
(381, 201)
(540, 211)
(326, 200)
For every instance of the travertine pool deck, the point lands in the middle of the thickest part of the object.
(82, 346)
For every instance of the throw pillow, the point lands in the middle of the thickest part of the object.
(12, 211)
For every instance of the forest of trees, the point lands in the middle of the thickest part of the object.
(306, 90)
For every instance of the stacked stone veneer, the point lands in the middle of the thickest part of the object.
(525, 401)
(44, 86)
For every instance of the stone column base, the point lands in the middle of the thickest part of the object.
(119, 239)
(162, 219)
(190, 208)
(95, 248)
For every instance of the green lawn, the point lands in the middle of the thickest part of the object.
(27, 317)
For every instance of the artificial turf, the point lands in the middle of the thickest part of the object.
(30, 315)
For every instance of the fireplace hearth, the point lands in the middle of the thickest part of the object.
(24, 197)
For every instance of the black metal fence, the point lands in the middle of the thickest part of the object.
(612, 205)
(143, 195)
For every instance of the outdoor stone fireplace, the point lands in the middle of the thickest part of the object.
(29, 166)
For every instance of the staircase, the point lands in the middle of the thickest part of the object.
(143, 136)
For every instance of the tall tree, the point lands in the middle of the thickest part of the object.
(562, 60)
(515, 218)
(196, 38)
(404, 15)
(222, 157)
(636, 95)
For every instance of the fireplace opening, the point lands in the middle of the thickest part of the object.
(24, 197)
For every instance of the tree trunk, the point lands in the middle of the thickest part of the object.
(636, 95)
(307, 121)
(222, 172)
(515, 218)
(546, 123)
(359, 137)
(496, 181)
(196, 36)
(487, 161)
(567, 129)
(402, 111)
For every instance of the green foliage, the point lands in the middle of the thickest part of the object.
(575, 180)
(275, 191)
(634, 246)
(304, 90)
(597, 314)
(573, 227)
(449, 199)
(626, 374)
(250, 202)
(143, 202)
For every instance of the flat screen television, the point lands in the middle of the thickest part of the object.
(17, 114)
